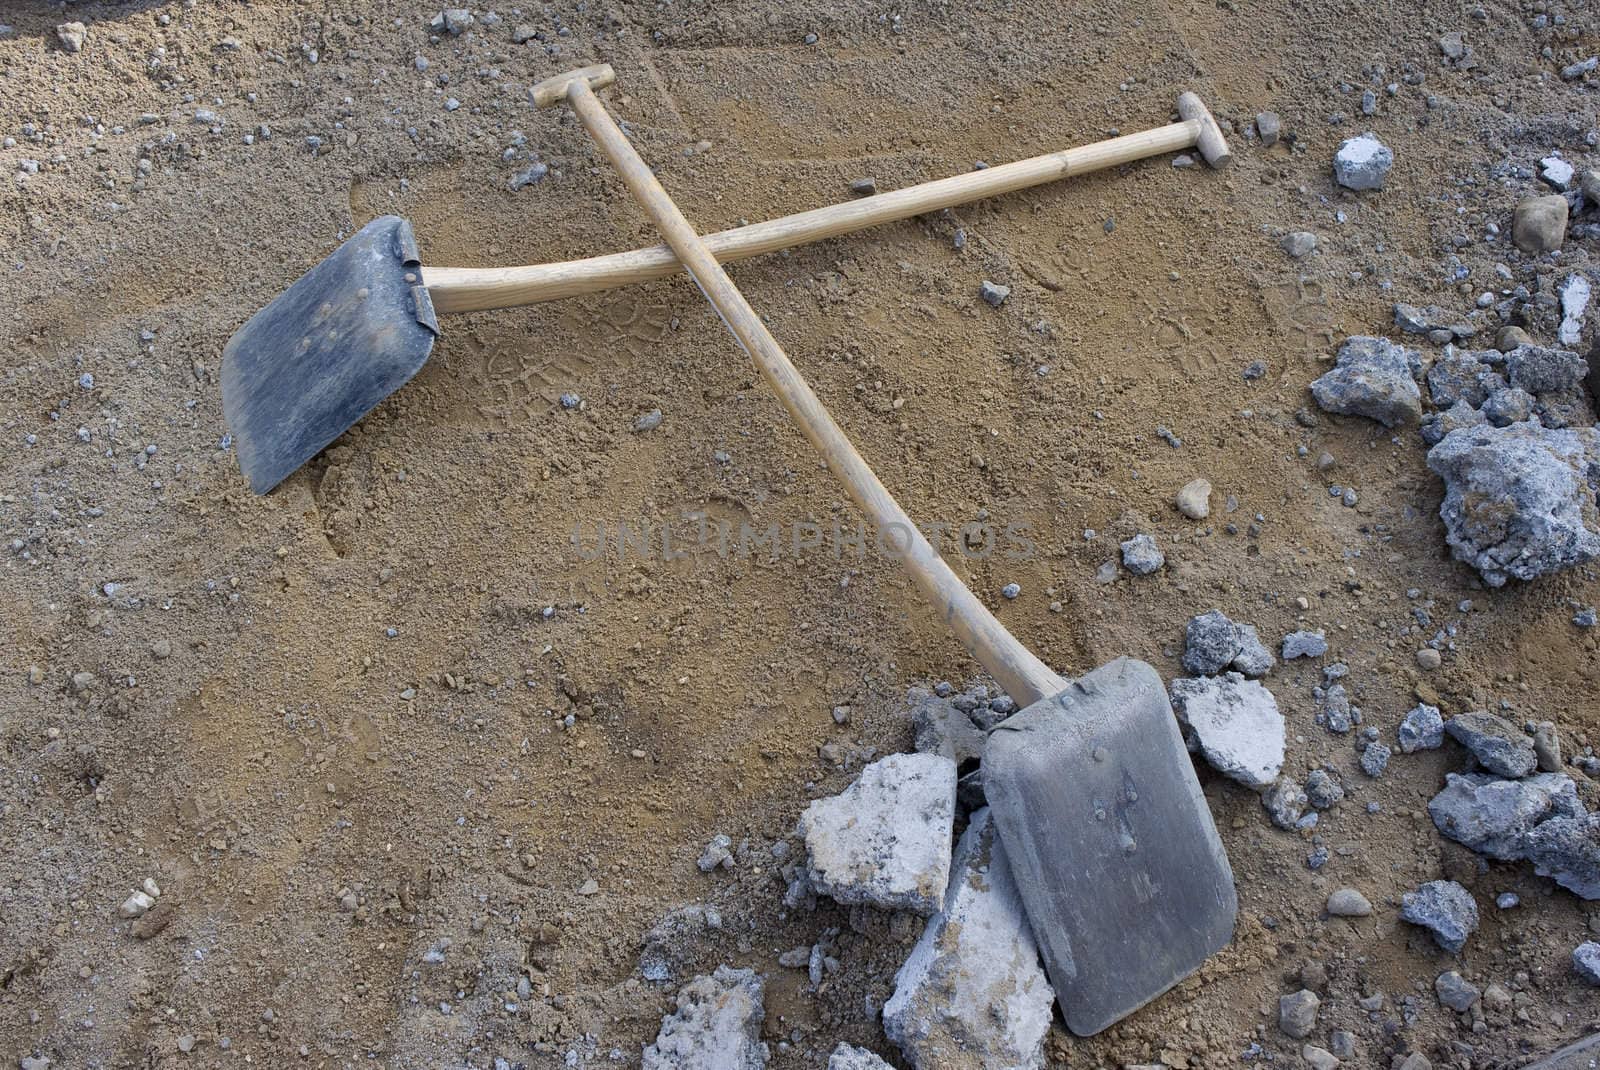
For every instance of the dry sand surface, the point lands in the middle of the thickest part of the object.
(416, 778)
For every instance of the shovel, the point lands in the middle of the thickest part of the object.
(361, 323)
(1117, 860)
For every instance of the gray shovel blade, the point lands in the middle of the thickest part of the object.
(326, 351)
(1119, 865)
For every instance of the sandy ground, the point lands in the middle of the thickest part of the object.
(199, 684)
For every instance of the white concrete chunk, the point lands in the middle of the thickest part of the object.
(973, 996)
(717, 1025)
(885, 840)
(1236, 725)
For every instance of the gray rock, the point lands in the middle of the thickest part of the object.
(1141, 556)
(1304, 645)
(648, 421)
(885, 840)
(993, 294)
(1253, 659)
(1539, 224)
(1372, 377)
(1375, 759)
(71, 36)
(972, 994)
(528, 176)
(717, 1025)
(1455, 991)
(1510, 337)
(1520, 500)
(1432, 318)
(1421, 729)
(1573, 71)
(845, 1057)
(1349, 903)
(1284, 803)
(942, 728)
(1323, 789)
(1211, 642)
(1436, 425)
(1298, 243)
(1194, 499)
(1459, 375)
(719, 852)
(1586, 960)
(1297, 1013)
(522, 33)
(1547, 747)
(1556, 172)
(1235, 725)
(1319, 1058)
(1270, 127)
(454, 20)
(1567, 850)
(864, 186)
(1500, 746)
(1445, 909)
(1495, 817)
(1509, 406)
(1362, 163)
(1542, 370)
(1333, 711)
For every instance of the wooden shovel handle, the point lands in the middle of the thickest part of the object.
(1025, 678)
(475, 289)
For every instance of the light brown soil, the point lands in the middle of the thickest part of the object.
(270, 761)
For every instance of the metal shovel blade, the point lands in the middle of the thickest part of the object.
(326, 351)
(1119, 865)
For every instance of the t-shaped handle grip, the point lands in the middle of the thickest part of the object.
(554, 90)
(1208, 135)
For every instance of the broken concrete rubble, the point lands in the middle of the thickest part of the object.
(1494, 816)
(1445, 909)
(1213, 643)
(1235, 725)
(1498, 745)
(1375, 378)
(717, 1025)
(885, 840)
(972, 994)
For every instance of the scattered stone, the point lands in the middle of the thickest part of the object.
(1429, 659)
(1415, 1061)
(1455, 991)
(1586, 960)
(1511, 337)
(1141, 556)
(1500, 746)
(1011, 591)
(1334, 711)
(1421, 729)
(1415, 320)
(1547, 747)
(1539, 224)
(972, 994)
(1541, 370)
(1299, 243)
(846, 1057)
(71, 35)
(1573, 71)
(1586, 617)
(1210, 642)
(136, 904)
(1375, 759)
(993, 294)
(1520, 500)
(1284, 803)
(1269, 126)
(1194, 499)
(1323, 789)
(522, 33)
(1304, 645)
(1445, 909)
(1349, 903)
(453, 20)
(1318, 1058)
(1508, 900)
(533, 173)
(1343, 1044)
(1235, 725)
(1362, 163)
(718, 853)
(717, 1025)
(864, 187)
(649, 421)
(1297, 1013)
(1372, 377)
(885, 840)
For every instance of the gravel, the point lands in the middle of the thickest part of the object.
(1297, 1013)
(1298, 244)
(1323, 789)
(1194, 499)
(1284, 802)
(1456, 992)
(1141, 556)
(1304, 645)
(993, 294)
(1349, 903)
(1375, 759)
(1421, 729)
